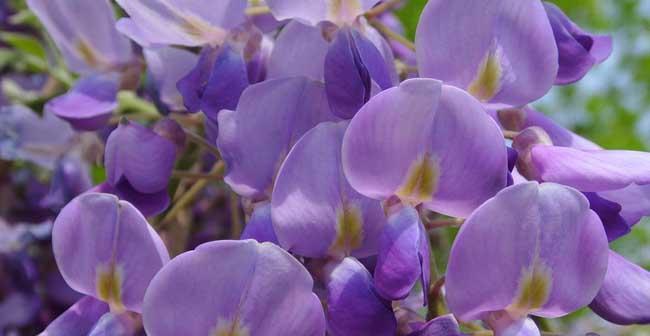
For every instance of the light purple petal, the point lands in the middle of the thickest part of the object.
(624, 297)
(504, 325)
(270, 118)
(403, 256)
(315, 211)
(501, 51)
(578, 50)
(427, 143)
(78, 320)
(112, 324)
(353, 306)
(533, 248)
(88, 42)
(26, 136)
(590, 170)
(445, 325)
(180, 22)
(140, 156)
(634, 201)
(111, 257)
(234, 287)
(89, 105)
(314, 11)
(299, 51)
(167, 66)
(260, 226)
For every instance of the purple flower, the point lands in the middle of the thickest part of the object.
(185, 23)
(299, 50)
(403, 256)
(316, 213)
(89, 105)
(532, 249)
(105, 248)
(70, 178)
(167, 66)
(26, 136)
(216, 82)
(501, 51)
(624, 297)
(79, 319)
(140, 173)
(353, 305)
(354, 69)
(89, 42)
(270, 117)
(426, 143)
(260, 225)
(445, 325)
(339, 12)
(578, 50)
(233, 288)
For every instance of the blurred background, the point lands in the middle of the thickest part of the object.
(610, 106)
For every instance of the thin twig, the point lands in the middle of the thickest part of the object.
(190, 195)
(199, 140)
(386, 31)
(382, 8)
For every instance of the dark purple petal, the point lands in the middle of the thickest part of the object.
(578, 50)
(270, 117)
(403, 256)
(316, 213)
(610, 214)
(501, 51)
(352, 64)
(233, 288)
(140, 156)
(89, 105)
(624, 297)
(70, 178)
(353, 306)
(79, 319)
(532, 249)
(216, 82)
(149, 204)
(260, 226)
(111, 257)
(634, 201)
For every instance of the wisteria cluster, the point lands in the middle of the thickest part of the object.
(343, 147)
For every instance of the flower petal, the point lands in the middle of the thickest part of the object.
(111, 257)
(260, 226)
(167, 66)
(147, 166)
(78, 320)
(270, 118)
(590, 170)
(89, 42)
(312, 199)
(299, 51)
(315, 11)
(149, 204)
(531, 249)
(233, 288)
(183, 22)
(353, 307)
(624, 297)
(445, 325)
(452, 164)
(503, 50)
(403, 256)
(89, 105)
(578, 50)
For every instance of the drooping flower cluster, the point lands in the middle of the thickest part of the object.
(343, 144)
